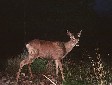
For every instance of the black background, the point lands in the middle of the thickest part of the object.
(24, 20)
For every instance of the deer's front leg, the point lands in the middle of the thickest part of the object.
(56, 63)
(60, 66)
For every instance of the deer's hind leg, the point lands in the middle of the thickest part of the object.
(29, 67)
(22, 63)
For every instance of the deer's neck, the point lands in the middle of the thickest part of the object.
(69, 45)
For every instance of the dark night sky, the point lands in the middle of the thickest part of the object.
(23, 20)
(103, 7)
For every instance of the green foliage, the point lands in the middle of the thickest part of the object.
(39, 65)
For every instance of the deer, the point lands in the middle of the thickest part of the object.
(56, 50)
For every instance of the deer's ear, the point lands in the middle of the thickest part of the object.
(79, 34)
(68, 33)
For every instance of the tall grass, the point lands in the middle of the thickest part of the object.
(91, 69)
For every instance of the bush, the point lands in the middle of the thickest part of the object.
(13, 63)
(39, 65)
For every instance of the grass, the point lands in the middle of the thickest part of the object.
(91, 69)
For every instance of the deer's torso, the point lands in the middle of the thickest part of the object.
(47, 49)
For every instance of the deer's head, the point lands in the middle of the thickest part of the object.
(73, 39)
